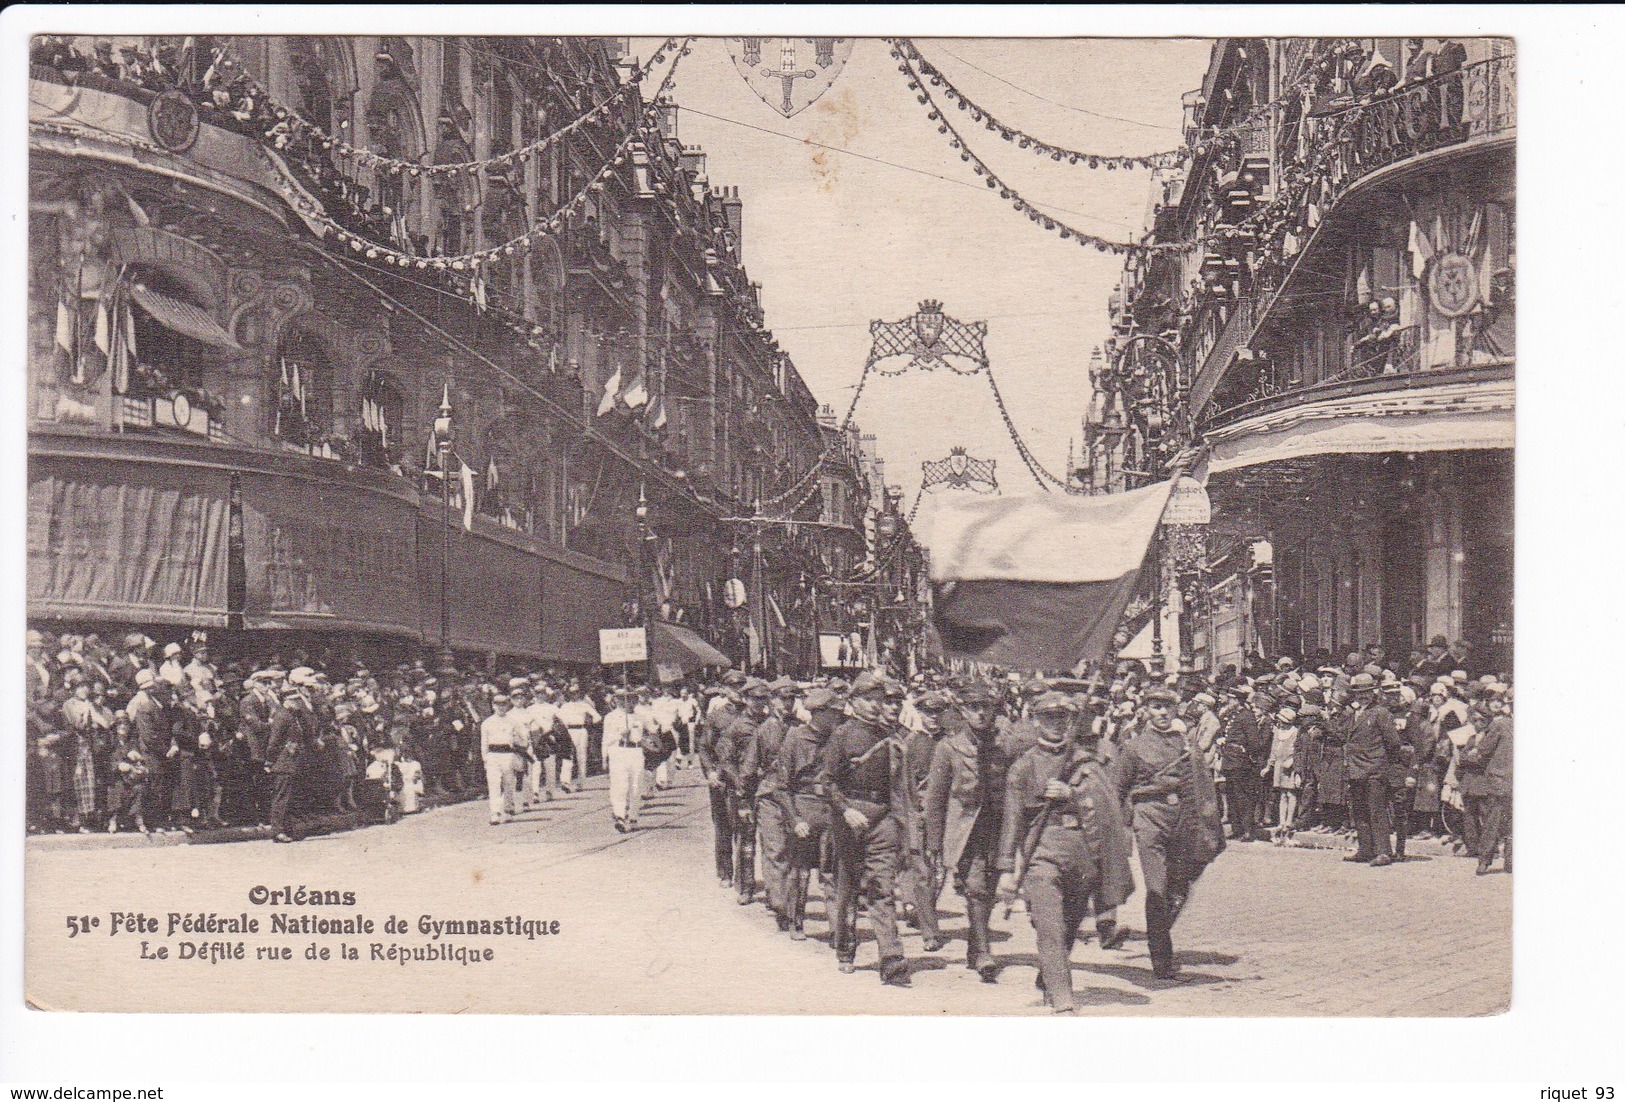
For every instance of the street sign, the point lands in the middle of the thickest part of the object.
(622, 645)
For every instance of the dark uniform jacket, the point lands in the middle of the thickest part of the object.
(756, 765)
(729, 750)
(795, 784)
(1169, 798)
(863, 768)
(1372, 741)
(711, 732)
(1091, 820)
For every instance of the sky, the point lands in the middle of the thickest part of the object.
(838, 239)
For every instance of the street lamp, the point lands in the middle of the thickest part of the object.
(646, 538)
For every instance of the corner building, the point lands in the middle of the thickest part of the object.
(245, 313)
(1343, 343)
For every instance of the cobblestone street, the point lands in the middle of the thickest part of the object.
(644, 927)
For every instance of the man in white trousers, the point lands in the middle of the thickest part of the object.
(541, 716)
(623, 754)
(504, 756)
(575, 713)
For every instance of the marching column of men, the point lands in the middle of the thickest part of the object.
(887, 795)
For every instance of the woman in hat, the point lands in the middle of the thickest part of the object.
(1282, 769)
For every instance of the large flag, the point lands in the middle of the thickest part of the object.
(1038, 582)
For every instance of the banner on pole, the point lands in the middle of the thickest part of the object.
(622, 645)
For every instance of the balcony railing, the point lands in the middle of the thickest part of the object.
(1395, 354)
(1450, 109)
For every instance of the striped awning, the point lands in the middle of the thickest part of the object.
(182, 317)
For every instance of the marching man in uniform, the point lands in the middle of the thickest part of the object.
(801, 799)
(866, 783)
(1061, 804)
(502, 749)
(1160, 774)
(964, 812)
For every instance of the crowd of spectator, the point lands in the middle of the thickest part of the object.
(148, 736)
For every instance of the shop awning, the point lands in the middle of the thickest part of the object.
(674, 648)
(182, 317)
(1460, 416)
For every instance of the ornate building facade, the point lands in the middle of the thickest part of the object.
(1340, 343)
(393, 335)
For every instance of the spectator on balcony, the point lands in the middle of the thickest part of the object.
(1376, 79)
(1448, 63)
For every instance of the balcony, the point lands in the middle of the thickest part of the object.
(1353, 146)
(1393, 362)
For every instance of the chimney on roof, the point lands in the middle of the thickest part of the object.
(734, 209)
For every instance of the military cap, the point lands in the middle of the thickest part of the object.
(783, 686)
(1161, 694)
(1054, 702)
(733, 677)
(1362, 682)
(757, 689)
(978, 692)
(868, 682)
(934, 702)
(823, 697)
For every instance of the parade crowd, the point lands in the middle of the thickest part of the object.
(1044, 790)
(881, 791)
(159, 737)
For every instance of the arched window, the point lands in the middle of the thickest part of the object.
(172, 333)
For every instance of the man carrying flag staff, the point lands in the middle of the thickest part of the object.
(1061, 804)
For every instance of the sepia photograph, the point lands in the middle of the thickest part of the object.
(866, 512)
(800, 545)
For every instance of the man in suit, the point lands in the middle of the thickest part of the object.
(256, 711)
(1241, 738)
(1486, 780)
(1373, 742)
(964, 812)
(289, 750)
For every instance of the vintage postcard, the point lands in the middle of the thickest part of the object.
(769, 525)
